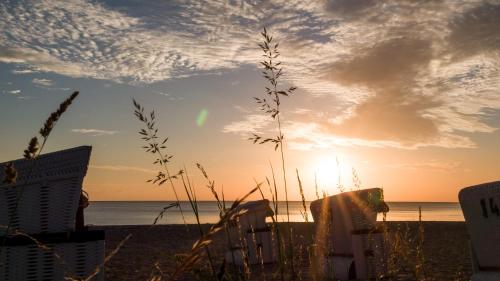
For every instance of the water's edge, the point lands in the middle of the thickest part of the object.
(145, 212)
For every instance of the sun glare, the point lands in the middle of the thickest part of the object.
(327, 170)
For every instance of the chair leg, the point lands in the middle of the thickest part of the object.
(260, 247)
(475, 264)
(370, 255)
(343, 268)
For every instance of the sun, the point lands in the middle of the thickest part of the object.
(329, 170)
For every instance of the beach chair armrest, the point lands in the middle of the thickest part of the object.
(258, 230)
(340, 255)
(366, 231)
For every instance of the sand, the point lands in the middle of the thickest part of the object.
(446, 249)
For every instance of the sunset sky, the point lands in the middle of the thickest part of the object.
(405, 92)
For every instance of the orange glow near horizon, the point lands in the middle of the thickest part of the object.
(412, 103)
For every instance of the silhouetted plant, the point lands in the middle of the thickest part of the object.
(196, 252)
(303, 198)
(340, 185)
(32, 152)
(34, 148)
(149, 134)
(355, 179)
(10, 173)
(270, 104)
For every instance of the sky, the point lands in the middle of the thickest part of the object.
(404, 93)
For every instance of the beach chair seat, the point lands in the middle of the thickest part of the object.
(249, 235)
(481, 208)
(346, 227)
(75, 255)
(39, 217)
(46, 195)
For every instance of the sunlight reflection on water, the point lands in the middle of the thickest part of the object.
(136, 213)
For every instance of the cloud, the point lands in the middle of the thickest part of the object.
(13, 92)
(396, 73)
(242, 109)
(430, 165)
(95, 132)
(23, 71)
(348, 8)
(252, 124)
(42, 82)
(394, 111)
(475, 31)
(119, 168)
(129, 44)
(39, 61)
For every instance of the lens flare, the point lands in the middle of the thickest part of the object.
(202, 117)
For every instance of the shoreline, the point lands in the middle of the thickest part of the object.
(445, 252)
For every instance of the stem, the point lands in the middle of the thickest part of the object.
(175, 192)
(290, 240)
(194, 205)
(165, 166)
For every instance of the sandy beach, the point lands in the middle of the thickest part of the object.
(445, 249)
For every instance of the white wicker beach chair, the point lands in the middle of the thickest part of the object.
(481, 208)
(77, 255)
(250, 237)
(40, 210)
(46, 195)
(348, 236)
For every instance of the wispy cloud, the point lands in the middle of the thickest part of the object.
(119, 168)
(252, 124)
(430, 165)
(95, 132)
(13, 92)
(396, 80)
(42, 82)
(23, 71)
(397, 73)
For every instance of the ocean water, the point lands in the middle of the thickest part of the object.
(137, 213)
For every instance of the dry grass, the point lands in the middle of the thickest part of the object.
(406, 253)
(32, 152)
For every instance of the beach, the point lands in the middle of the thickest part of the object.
(445, 249)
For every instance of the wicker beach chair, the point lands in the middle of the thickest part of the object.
(250, 237)
(40, 238)
(346, 233)
(481, 208)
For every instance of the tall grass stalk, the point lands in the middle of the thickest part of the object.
(221, 205)
(272, 73)
(340, 185)
(149, 134)
(193, 201)
(302, 197)
(32, 152)
(196, 252)
(316, 186)
(279, 238)
(420, 265)
(355, 179)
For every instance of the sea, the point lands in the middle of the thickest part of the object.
(146, 212)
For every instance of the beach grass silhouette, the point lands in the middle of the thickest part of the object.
(407, 255)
